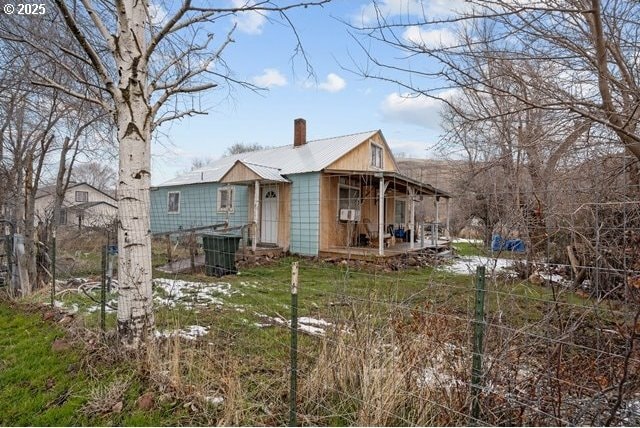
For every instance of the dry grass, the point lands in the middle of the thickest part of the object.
(107, 398)
(397, 373)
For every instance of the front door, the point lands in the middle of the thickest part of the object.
(269, 219)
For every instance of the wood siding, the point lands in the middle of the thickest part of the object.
(359, 159)
(239, 173)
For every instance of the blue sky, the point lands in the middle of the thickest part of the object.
(336, 102)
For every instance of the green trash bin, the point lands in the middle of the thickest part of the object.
(220, 253)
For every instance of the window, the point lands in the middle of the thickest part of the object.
(82, 196)
(63, 217)
(173, 202)
(401, 212)
(225, 199)
(348, 198)
(376, 155)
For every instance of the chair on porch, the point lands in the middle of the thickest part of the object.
(372, 232)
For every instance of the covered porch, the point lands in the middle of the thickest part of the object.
(268, 202)
(374, 214)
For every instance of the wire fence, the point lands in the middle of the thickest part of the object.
(393, 322)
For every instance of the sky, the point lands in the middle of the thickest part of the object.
(335, 101)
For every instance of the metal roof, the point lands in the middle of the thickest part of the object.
(266, 172)
(311, 157)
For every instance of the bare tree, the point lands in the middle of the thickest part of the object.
(138, 68)
(589, 49)
(100, 175)
(238, 148)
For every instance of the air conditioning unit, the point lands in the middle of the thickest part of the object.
(349, 215)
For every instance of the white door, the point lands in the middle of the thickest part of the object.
(269, 219)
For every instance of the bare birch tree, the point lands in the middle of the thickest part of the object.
(138, 65)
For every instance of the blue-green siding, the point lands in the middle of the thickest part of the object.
(198, 207)
(305, 213)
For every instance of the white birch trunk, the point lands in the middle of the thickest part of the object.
(133, 120)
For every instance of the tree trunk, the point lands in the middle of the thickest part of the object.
(23, 282)
(133, 119)
(30, 249)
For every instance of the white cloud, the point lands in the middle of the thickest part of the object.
(270, 78)
(417, 110)
(440, 38)
(250, 22)
(414, 149)
(430, 9)
(333, 83)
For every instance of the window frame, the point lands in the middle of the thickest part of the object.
(83, 192)
(62, 217)
(219, 207)
(403, 201)
(349, 188)
(377, 148)
(173, 192)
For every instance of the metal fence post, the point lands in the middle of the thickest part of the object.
(478, 337)
(53, 266)
(103, 289)
(294, 346)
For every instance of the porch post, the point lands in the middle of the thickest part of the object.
(412, 223)
(381, 217)
(437, 220)
(448, 231)
(256, 214)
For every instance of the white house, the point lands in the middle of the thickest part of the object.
(83, 206)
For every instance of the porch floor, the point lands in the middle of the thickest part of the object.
(398, 249)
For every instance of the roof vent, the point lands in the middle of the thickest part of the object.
(299, 132)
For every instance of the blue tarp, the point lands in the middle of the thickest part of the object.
(498, 243)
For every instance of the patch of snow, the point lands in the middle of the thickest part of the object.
(314, 331)
(215, 400)
(468, 265)
(558, 279)
(314, 322)
(191, 294)
(432, 377)
(469, 241)
(312, 326)
(190, 333)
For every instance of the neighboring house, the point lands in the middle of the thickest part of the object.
(83, 206)
(310, 198)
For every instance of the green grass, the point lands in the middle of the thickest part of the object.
(333, 292)
(37, 387)
(40, 387)
(466, 249)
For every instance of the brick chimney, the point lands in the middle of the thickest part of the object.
(299, 132)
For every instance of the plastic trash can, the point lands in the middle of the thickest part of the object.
(220, 253)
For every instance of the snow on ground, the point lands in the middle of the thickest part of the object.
(107, 308)
(312, 326)
(191, 333)
(214, 399)
(190, 294)
(468, 265)
(465, 240)
(69, 309)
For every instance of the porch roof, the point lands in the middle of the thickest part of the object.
(400, 179)
(248, 172)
